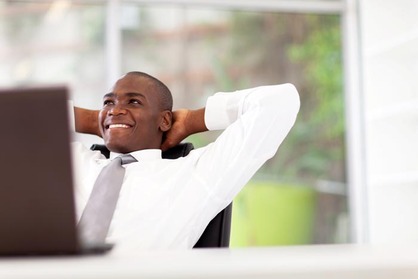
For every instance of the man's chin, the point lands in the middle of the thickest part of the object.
(117, 147)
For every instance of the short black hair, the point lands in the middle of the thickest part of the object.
(165, 94)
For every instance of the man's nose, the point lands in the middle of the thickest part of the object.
(117, 110)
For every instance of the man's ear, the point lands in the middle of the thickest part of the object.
(166, 120)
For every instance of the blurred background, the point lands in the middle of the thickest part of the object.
(347, 172)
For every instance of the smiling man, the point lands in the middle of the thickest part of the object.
(168, 203)
(136, 114)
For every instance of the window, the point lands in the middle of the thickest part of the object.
(199, 50)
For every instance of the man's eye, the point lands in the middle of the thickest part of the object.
(107, 102)
(135, 101)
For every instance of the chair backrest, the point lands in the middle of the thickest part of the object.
(218, 231)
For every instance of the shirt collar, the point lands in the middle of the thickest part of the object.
(142, 155)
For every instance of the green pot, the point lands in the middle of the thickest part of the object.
(269, 214)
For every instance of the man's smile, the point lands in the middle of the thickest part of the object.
(118, 125)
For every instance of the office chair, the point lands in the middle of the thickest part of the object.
(218, 231)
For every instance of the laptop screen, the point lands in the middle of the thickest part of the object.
(36, 191)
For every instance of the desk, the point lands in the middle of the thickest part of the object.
(325, 261)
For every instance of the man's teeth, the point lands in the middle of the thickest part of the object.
(118, 126)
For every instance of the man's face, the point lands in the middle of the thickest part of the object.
(131, 118)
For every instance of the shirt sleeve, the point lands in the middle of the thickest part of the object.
(256, 121)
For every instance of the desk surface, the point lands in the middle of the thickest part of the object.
(324, 261)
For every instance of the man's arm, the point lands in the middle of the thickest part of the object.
(255, 122)
(185, 123)
(86, 121)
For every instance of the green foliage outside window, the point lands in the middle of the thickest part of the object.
(305, 50)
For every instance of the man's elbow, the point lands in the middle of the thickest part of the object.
(283, 101)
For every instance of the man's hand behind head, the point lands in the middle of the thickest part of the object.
(179, 130)
(185, 123)
(86, 121)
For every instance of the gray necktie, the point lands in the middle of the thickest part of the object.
(97, 215)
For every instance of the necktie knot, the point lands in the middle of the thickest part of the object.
(126, 159)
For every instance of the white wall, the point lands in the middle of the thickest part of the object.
(390, 63)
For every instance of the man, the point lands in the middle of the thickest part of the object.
(168, 203)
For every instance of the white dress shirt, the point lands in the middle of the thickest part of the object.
(168, 203)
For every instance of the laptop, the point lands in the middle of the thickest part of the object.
(37, 207)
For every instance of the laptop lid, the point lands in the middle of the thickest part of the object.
(37, 214)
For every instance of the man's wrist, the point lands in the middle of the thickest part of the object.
(196, 121)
